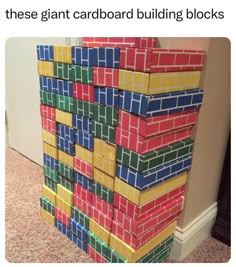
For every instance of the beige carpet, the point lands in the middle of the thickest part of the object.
(31, 239)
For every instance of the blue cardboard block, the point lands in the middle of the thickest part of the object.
(83, 56)
(50, 162)
(158, 104)
(45, 52)
(108, 57)
(77, 229)
(64, 87)
(47, 84)
(66, 132)
(108, 96)
(84, 139)
(66, 145)
(145, 180)
(83, 181)
(79, 243)
(82, 123)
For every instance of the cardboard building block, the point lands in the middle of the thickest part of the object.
(66, 132)
(49, 194)
(105, 114)
(84, 108)
(161, 59)
(66, 145)
(47, 112)
(105, 165)
(132, 255)
(61, 70)
(64, 87)
(84, 181)
(66, 158)
(47, 84)
(52, 184)
(157, 83)
(102, 206)
(141, 197)
(47, 98)
(105, 76)
(82, 205)
(66, 171)
(45, 68)
(155, 158)
(81, 74)
(84, 154)
(62, 54)
(50, 150)
(120, 41)
(105, 149)
(80, 217)
(64, 194)
(114, 257)
(99, 231)
(83, 56)
(150, 126)
(47, 216)
(96, 243)
(103, 192)
(45, 52)
(137, 212)
(154, 176)
(107, 57)
(106, 96)
(103, 179)
(84, 139)
(63, 205)
(144, 145)
(82, 193)
(64, 117)
(65, 183)
(159, 104)
(134, 241)
(51, 162)
(77, 229)
(82, 123)
(47, 205)
(83, 91)
(49, 125)
(61, 216)
(101, 218)
(104, 131)
(83, 167)
(49, 138)
(50, 173)
(95, 255)
(65, 103)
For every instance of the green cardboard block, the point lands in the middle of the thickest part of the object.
(104, 131)
(65, 102)
(105, 114)
(48, 98)
(80, 217)
(64, 182)
(50, 173)
(103, 192)
(81, 74)
(84, 108)
(61, 70)
(47, 205)
(66, 171)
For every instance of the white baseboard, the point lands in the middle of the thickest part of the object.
(185, 240)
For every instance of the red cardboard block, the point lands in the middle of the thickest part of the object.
(47, 112)
(61, 216)
(102, 205)
(161, 59)
(102, 219)
(83, 167)
(83, 91)
(49, 125)
(156, 124)
(139, 212)
(95, 255)
(82, 205)
(83, 193)
(143, 145)
(105, 76)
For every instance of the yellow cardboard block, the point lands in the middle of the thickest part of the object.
(64, 117)
(103, 148)
(99, 231)
(47, 216)
(66, 158)
(103, 178)
(142, 197)
(64, 206)
(104, 164)
(50, 150)
(49, 194)
(64, 193)
(84, 154)
(45, 68)
(62, 54)
(134, 255)
(49, 138)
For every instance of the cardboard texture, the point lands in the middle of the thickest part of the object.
(61, 216)
(105, 76)
(45, 68)
(104, 131)
(99, 231)
(83, 56)
(84, 181)
(83, 91)
(104, 179)
(64, 194)
(62, 54)
(52, 163)
(82, 123)
(102, 205)
(84, 108)
(160, 59)
(45, 52)
(157, 83)
(47, 112)
(51, 184)
(101, 218)
(49, 138)
(48, 98)
(65, 183)
(64, 87)
(105, 114)
(50, 150)
(77, 229)
(65, 158)
(106, 96)
(48, 125)
(63, 205)
(83, 167)
(104, 164)
(84, 154)
(105, 149)
(84, 139)
(47, 205)
(47, 216)
(65, 145)
(107, 57)
(64, 117)
(47, 84)
(82, 205)
(159, 104)
(80, 217)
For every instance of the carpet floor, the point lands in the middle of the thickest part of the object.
(31, 239)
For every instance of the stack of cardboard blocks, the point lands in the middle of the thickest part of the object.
(117, 116)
